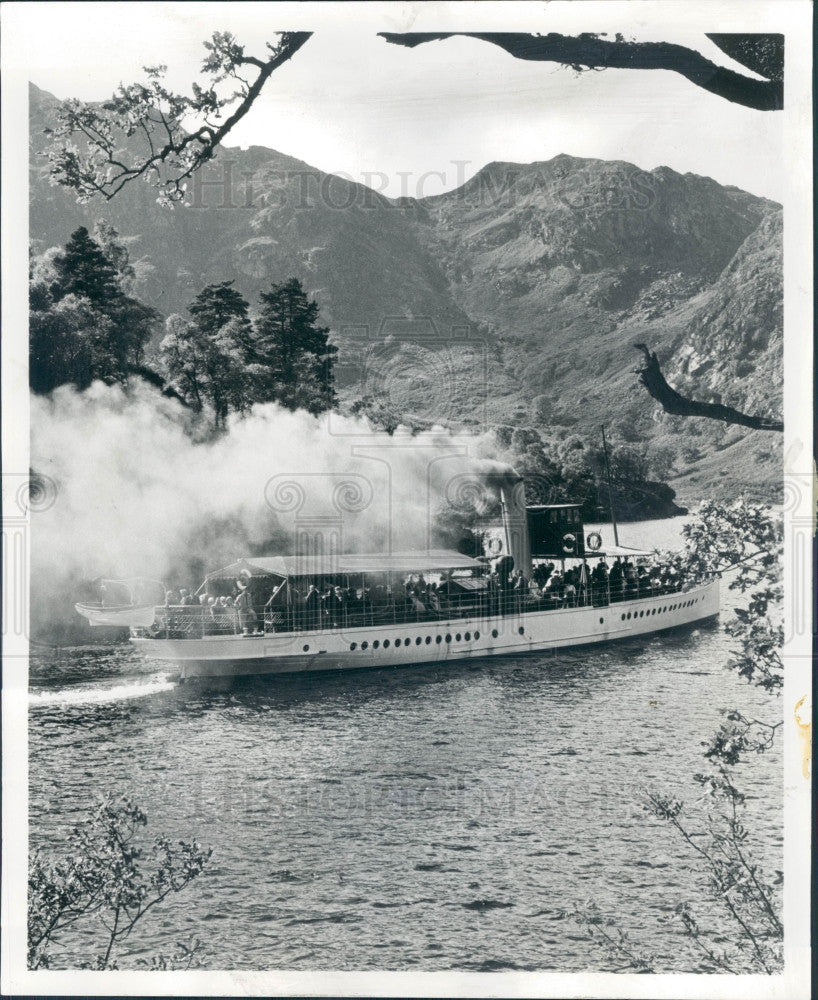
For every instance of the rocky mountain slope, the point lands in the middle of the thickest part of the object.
(514, 300)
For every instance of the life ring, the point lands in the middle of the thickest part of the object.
(569, 543)
(594, 541)
(495, 545)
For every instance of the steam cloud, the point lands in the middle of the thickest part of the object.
(137, 495)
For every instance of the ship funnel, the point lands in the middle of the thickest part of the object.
(515, 524)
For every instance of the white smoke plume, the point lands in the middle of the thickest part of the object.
(136, 495)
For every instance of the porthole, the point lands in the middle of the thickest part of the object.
(494, 633)
(408, 642)
(306, 649)
(375, 644)
(397, 643)
(653, 611)
(364, 645)
(521, 630)
(468, 637)
(476, 635)
(386, 644)
(629, 614)
(353, 645)
(448, 638)
(458, 637)
(601, 621)
(428, 639)
(641, 614)
(419, 640)
(623, 616)
(438, 639)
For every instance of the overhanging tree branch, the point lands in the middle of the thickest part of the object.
(591, 51)
(673, 402)
(104, 162)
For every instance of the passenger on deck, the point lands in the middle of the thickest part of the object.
(334, 607)
(599, 582)
(629, 572)
(616, 579)
(542, 571)
(312, 607)
(171, 598)
(519, 583)
(555, 588)
(248, 619)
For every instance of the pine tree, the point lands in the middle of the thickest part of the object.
(216, 305)
(293, 358)
(83, 270)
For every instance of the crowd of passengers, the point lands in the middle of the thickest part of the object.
(334, 605)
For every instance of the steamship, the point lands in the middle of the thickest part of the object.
(327, 612)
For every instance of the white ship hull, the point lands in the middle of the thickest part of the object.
(431, 641)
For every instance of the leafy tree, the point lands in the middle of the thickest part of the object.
(661, 460)
(206, 360)
(292, 357)
(83, 325)
(747, 538)
(105, 883)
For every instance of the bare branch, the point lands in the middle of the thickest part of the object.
(671, 401)
(590, 51)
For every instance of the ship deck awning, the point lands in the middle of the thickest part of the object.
(348, 564)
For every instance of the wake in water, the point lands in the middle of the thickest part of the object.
(101, 695)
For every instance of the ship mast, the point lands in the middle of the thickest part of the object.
(610, 491)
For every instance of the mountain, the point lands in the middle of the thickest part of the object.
(515, 299)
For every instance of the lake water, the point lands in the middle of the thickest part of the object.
(424, 818)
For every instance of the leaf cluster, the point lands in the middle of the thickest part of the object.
(141, 133)
(105, 882)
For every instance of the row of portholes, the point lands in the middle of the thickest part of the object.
(659, 611)
(420, 640)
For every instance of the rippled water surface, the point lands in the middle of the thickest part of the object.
(434, 817)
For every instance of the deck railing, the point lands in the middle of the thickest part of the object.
(192, 621)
